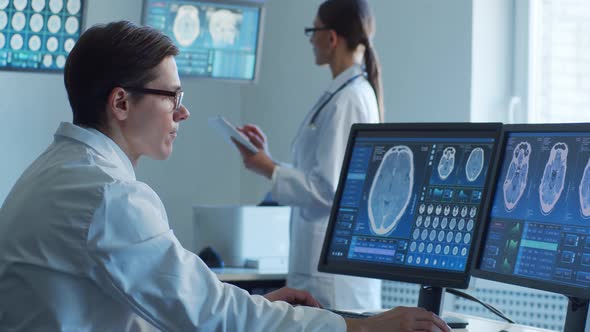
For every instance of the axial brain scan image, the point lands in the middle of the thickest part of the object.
(584, 191)
(186, 25)
(224, 26)
(446, 163)
(553, 179)
(516, 177)
(391, 189)
(474, 164)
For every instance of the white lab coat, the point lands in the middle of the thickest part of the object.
(84, 246)
(310, 184)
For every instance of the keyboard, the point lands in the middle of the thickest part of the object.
(453, 322)
(350, 314)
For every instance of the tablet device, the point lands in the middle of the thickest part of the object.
(228, 130)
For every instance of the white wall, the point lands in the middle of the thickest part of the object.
(425, 48)
(492, 64)
(426, 51)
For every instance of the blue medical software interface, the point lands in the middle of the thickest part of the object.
(215, 40)
(539, 227)
(411, 201)
(39, 34)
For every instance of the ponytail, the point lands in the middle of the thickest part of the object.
(373, 69)
(353, 20)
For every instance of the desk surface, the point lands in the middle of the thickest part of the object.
(248, 274)
(478, 324)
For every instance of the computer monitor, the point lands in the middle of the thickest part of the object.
(538, 231)
(218, 39)
(38, 35)
(409, 204)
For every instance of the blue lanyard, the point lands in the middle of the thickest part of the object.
(321, 107)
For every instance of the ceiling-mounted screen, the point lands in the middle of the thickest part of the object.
(38, 34)
(217, 39)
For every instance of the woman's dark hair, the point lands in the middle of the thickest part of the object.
(107, 56)
(353, 20)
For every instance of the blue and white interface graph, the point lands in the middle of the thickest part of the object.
(411, 201)
(541, 211)
(216, 39)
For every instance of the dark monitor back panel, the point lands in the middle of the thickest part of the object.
(409, 202)
(538, 231)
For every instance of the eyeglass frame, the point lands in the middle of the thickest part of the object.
(178, 94)
(308, 32)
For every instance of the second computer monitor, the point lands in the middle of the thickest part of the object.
(410, 201)
(538, 233)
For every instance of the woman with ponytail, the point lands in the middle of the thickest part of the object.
(341, 39)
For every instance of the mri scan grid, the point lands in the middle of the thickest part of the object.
(38, 34)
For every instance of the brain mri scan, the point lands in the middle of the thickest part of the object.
(186, 25)
(515, 181)
(391, 189)
(446, 163)
(474, 164)
(223, 26)
(553, 179)
(584, 191)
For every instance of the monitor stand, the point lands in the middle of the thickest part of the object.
(431, 299)
(577, 312)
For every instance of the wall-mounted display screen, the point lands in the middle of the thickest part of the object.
(217, 39)
(38, 34)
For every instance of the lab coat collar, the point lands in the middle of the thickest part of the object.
(99, 142)
(344, 76)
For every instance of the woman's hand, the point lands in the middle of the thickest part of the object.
(256, 136)
(259, 162)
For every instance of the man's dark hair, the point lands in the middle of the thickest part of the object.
(107, 56)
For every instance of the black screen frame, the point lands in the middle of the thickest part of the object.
(429, 277)
(260, 4)
(553, 287)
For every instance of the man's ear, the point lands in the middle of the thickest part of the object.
(118, 103)
(333, 38)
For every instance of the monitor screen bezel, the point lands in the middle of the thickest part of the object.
(404, 273)
(553, 287)
(251, 3)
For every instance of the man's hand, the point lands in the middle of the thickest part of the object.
(293, 296)
(400, 319)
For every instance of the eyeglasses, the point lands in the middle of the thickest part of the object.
(178, 94)
(310, 31)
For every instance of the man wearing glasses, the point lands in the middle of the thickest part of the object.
(84, 246)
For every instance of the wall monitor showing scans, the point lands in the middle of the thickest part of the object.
(217, 38)
(38, 35)
(410, 202)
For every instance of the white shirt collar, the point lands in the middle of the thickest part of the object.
(99, 142)
(344, 76)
